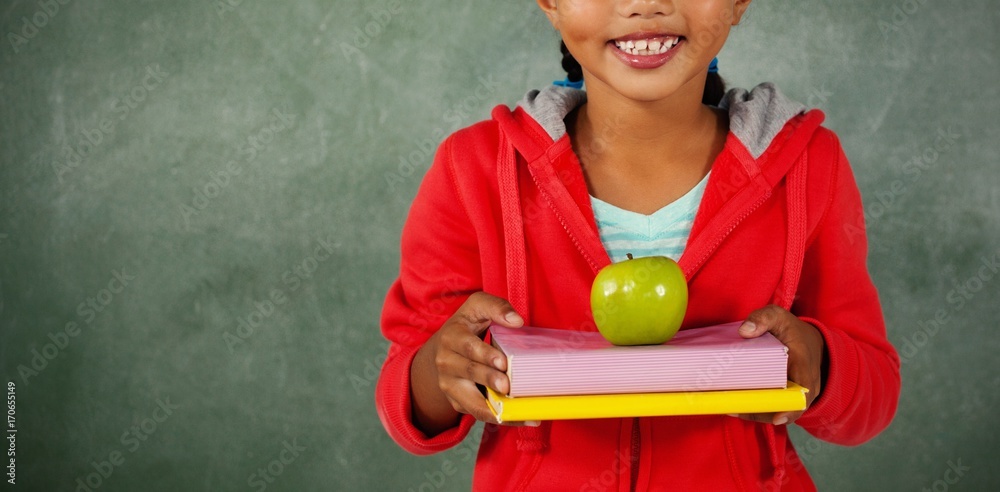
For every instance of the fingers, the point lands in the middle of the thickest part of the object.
(804, 368)
(786, 417)
(481, 309)
(471, 347)
(805, 344)
(769, 318)
(476, 314)
(805, 354)
(466, 398)
(764, 418)
(780, 418)
(464, 361)
(461, 367)
(804, 341)
(474, 368)
(526, 423)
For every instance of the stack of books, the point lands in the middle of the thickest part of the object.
(565, 374)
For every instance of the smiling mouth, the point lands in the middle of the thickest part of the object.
(657, 45)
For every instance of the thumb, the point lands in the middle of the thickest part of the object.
(762, 321)
(484, 309)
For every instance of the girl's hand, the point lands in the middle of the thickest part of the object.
(462, 359)
(806, 350)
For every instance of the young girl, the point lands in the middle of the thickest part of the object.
(516, 215)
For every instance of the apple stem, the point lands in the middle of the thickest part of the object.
(629, 255)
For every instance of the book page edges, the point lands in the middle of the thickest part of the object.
(510, 360)
(506, 408)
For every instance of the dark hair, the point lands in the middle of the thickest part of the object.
(715, 87)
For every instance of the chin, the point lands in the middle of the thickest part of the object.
(646, 91)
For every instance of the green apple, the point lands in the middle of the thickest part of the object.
(639, 301)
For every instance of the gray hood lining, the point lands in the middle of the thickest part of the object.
(755, 116)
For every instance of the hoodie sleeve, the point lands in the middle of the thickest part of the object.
(836, 294)
(439, 269)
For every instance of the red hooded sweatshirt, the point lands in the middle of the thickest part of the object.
(504, 208)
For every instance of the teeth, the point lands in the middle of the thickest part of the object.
(645, 47)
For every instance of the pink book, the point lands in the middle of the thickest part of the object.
(549, 362)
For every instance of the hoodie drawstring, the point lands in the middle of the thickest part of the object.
(513, 228)
(784, 296)
(529, 438)
(795, 246)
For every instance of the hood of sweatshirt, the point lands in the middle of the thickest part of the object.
(755, 117)
(767, 135)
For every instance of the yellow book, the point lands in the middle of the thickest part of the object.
(525, 408)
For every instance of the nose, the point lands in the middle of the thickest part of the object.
(644, 9)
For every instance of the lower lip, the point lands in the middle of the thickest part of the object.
(645, 62)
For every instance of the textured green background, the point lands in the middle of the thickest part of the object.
(367, 115)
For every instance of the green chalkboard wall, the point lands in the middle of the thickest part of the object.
(200, 206)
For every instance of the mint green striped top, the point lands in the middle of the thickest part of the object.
(663, 233)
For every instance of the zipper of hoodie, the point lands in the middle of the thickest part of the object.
(634, 459)
(708, 252)
(562, 221)
(753, 207)
(636, 446)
